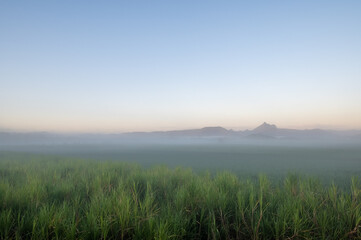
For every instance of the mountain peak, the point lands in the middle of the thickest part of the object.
(265, 127)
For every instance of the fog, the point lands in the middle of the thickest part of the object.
(319, 153)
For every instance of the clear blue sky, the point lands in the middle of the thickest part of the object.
(158, 65)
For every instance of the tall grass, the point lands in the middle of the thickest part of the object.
(58, 198)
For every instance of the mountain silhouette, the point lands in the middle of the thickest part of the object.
(265, 128)
(265, 131)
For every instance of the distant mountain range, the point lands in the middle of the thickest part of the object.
(219, 134)
(265, 130)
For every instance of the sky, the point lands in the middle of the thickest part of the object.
(119, 66)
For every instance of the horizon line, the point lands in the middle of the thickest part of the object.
(236, 129)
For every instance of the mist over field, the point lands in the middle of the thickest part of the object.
(266, 149)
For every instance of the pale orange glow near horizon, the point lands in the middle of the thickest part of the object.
(116, 125)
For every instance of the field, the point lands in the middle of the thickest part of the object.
(218, 192)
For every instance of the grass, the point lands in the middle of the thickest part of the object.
(61, 198)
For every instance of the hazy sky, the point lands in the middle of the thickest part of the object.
(159, 65)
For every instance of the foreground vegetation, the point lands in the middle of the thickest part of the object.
(58, 198)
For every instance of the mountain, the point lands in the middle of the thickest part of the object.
(202, 132)
(266, 131)
(265, 128)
